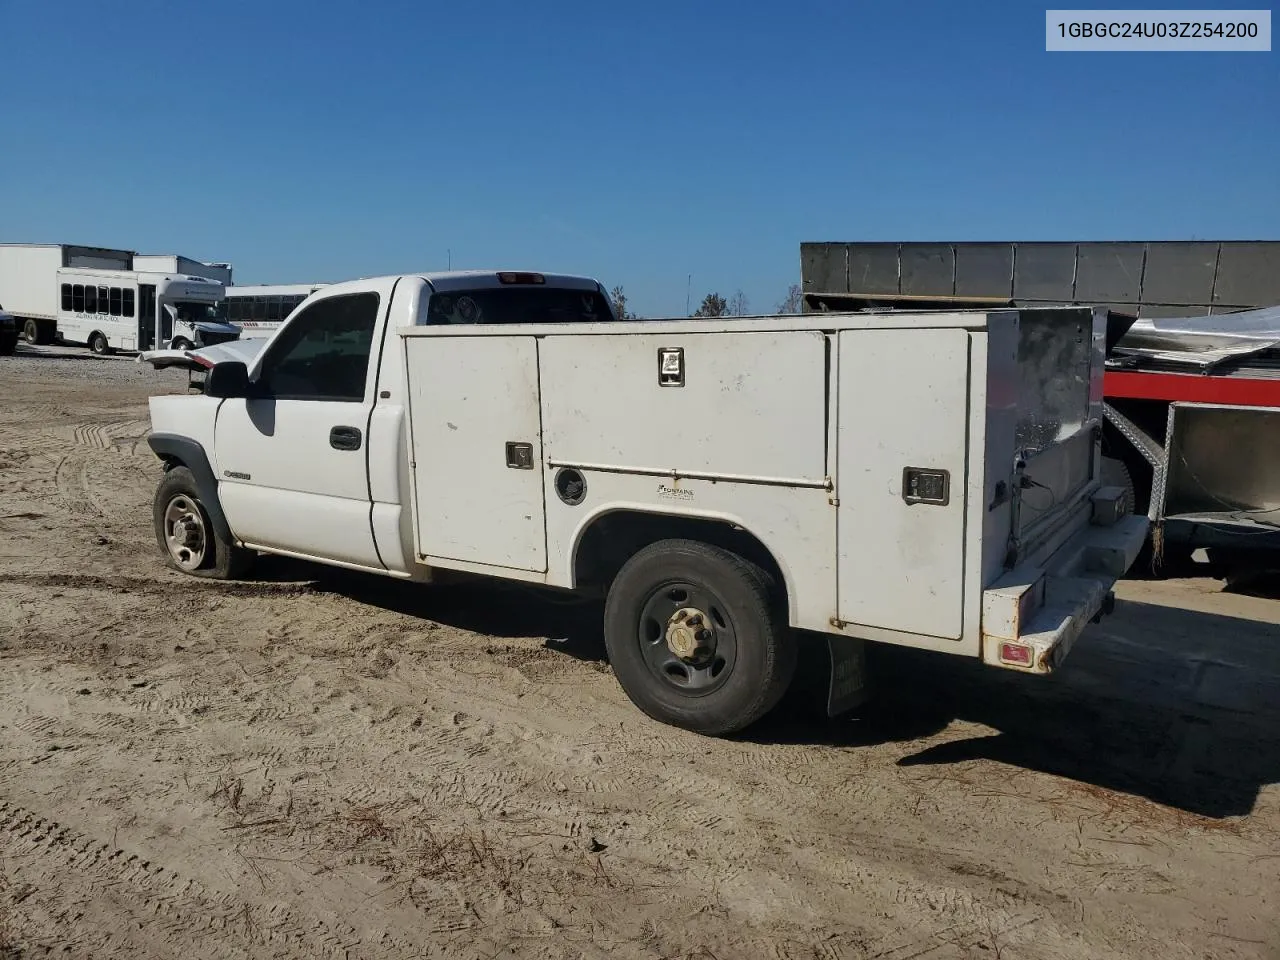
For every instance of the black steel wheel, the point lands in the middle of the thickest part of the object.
(688, 639)
(696, 637)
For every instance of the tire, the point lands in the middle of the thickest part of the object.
(736, 675)
(31, 332)
(180, 343)
(200, 553)
(1115, 473)
(98, 344)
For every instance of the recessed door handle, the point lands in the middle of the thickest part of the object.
(345, 438)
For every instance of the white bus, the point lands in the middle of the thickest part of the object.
(259, 310)
(126, 310)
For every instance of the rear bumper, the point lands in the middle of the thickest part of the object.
(1033, 615)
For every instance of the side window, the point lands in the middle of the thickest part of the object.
(324, 351)
(77, 298)
(115, 301)
(90, 299)
(103, 298)
(66, 297)
(126, 301)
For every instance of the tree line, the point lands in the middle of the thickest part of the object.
(714, 305)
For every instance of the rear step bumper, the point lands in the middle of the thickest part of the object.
(1032, 616)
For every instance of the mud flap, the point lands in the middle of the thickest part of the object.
(848, 686)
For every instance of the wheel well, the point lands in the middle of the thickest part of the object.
(613, 538)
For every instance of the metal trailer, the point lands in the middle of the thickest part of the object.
(1143, 278)
(28, 290)
(1192, 411)
(175, 264)
(1192, 406)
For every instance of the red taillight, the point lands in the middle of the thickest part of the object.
(1015, 653)
(515, 277)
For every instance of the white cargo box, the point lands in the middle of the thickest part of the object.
(895, 466)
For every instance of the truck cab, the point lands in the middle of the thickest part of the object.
(329, 389)
(183, 311)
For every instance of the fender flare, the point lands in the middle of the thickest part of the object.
(171, 448)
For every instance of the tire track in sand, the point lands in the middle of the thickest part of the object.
(145, 904)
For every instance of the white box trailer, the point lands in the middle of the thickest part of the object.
(177, 265)
(930, 480)
(28, 280)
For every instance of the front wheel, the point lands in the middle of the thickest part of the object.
(98, 344)
(187, 536)
(696, 637)
(181, 344)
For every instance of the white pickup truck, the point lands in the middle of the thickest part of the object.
(926, 479)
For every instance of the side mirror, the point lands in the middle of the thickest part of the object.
(228, 380)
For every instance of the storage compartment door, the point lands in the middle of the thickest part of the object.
(903, 413)
(477, 447)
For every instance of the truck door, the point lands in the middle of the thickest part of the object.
(147, 316)
(292, 461)
(902, 458)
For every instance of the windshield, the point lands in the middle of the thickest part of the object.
(518, 305)
(190, 311)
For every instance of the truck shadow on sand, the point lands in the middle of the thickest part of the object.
(496, 608)
(1176, 706)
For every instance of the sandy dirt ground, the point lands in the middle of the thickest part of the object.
(318, 764)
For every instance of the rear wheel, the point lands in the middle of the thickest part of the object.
(187, 536)
(697, 638)
(31, 331)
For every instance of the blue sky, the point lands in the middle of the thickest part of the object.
(637, 143)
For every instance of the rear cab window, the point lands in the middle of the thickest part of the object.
(523, 303)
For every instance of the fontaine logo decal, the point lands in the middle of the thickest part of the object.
(674, 493)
